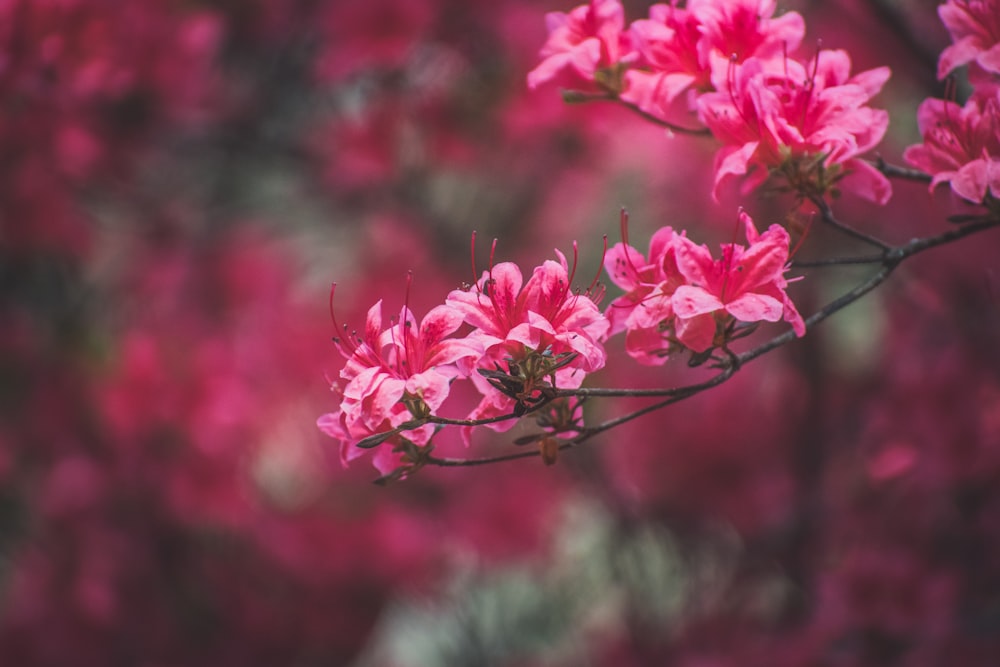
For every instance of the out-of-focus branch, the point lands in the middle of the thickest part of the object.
(836, 261)
(894, 171)
(577, 97)
(826, 213)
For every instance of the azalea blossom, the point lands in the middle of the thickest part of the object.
(810, 122)
(649, 285)
(691, 49)
(639, 277)
(961, 146)
(532, 330)
(746, 283)
(683, 298)
(975, 30)
(393, 376)
(585, 47)
(737, 30)
(669, 63)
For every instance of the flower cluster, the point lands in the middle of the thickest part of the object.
(975, 29)
(962, 143)
(807, 121)
(675, 50)
(392, 376)
(525, 340)
(587, 48)
(680, 297)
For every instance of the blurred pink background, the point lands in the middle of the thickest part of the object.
(181, 181)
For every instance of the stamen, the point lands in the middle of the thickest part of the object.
(623, 225)
(490, 283)
(802, 238)
(346, 339)
(600, 266)
(395, 345)
(472, 254)
(731, 85)
(728, 251)
(407, 314)
(572, 273)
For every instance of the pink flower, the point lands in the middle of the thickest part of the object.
(975, 29)
(669, 59)
(639, 277)
(961, 146)
(542, 324)
(746, 283)
(744, 29)
(692, 49)
(545, 315)
(682, 298)
(810, 123)
(584, 47)
(649, 286)
(394, 376)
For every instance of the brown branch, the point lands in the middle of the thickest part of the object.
(837, 261)
(577, 97)
(893, 171)
(826, 213)
(890, 260)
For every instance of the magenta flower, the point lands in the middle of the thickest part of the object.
(544, 315)
(975, 30)
(584, 47)
(639, 277)
(395, 376)
(961, 146)
(691, 49)
(810, 122)
(682, 298)
(669, 61)
(746, 283)
(743, 29)
(529, 327)
(646, 304)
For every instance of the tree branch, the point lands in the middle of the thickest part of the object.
(890, 260)
(892, 171)
(577, 97)
(826, 213)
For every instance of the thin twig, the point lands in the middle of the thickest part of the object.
(894, 171)
(890, 260)
(613, 392)
(837, 261)
(445, 462)
(829, 218)
(577, 97)
(690, 131)
(680, 395)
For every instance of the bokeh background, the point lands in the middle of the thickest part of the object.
(181, 180)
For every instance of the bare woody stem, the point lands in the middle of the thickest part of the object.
(577, 97)
(893, 171)
(826, 213)
(890, 259)
(837, 261)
